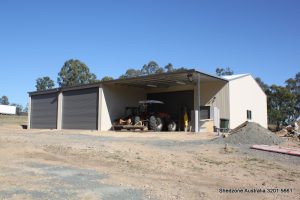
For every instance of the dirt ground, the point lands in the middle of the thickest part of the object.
(72, 164)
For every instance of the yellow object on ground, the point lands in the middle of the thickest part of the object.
(186, 120)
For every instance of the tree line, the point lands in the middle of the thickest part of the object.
(283, 101)
(74, 72)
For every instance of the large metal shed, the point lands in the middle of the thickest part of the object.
(96, 106)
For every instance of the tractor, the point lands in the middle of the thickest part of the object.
(148, 114)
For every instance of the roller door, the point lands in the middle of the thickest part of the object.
(80, 108)
(44, 111)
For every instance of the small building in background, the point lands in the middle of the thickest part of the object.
(7, 110)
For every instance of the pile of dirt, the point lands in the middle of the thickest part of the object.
(252, 133)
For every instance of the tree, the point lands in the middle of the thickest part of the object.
(44, 83)
(19, 108)
(4, 100)
(293, 85)
(180, 69)
(107, 78)
(224, 72)
(75, 72)
(169, 67)
(131, 73)
(283, 102)
(281, 105)
(151, 68)
(263, 86)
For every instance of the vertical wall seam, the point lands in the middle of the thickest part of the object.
(59, 111)
(29, 113)
(99, 117)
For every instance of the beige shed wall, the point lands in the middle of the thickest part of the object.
(245, 94)
(219, 90)
(115, 99)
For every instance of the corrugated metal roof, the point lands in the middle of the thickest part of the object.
(187, 77)
(235, 76)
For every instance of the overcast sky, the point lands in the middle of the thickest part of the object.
(261, 37)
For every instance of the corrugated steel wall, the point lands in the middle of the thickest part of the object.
(222, 101)
(215, 94)
(80, 108)
(44, 111)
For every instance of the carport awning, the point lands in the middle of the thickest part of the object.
(187, 77)
(163, 80)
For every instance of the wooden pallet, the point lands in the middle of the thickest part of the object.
(129, 127)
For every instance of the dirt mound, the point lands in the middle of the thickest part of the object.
(252, 133)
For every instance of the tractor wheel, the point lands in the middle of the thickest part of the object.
(172, 126)
(136, 119)
(155, 123)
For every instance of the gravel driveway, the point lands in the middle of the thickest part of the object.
(49, 164)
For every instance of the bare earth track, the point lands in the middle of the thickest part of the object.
(49, 164)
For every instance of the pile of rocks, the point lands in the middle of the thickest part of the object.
(251, 133)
